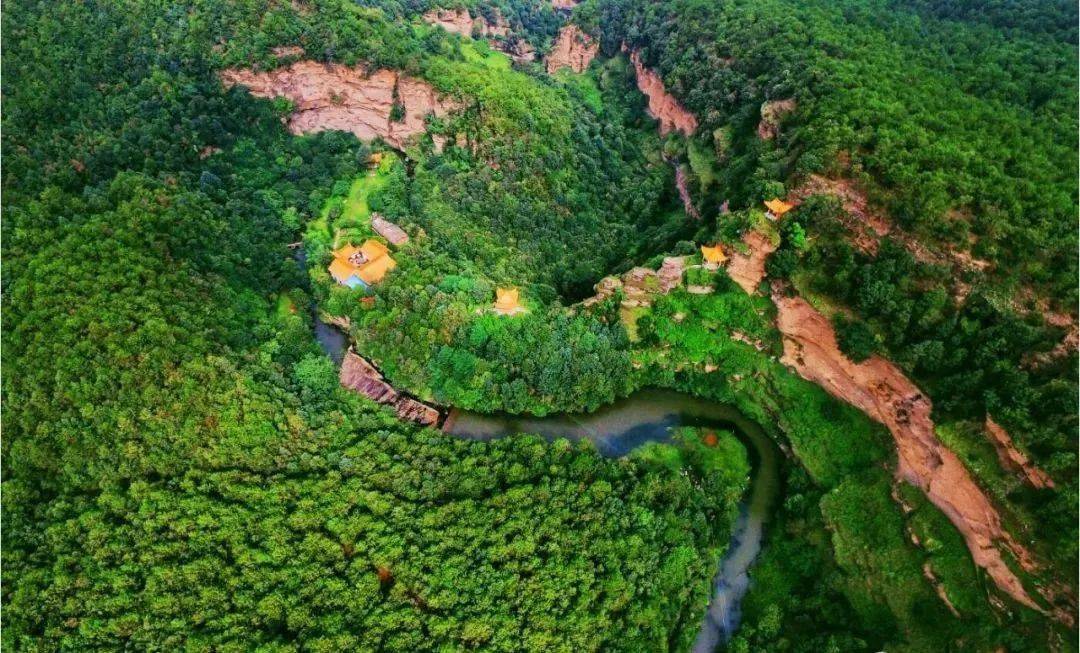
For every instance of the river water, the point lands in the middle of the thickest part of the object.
(618, 429)
(332, 341)
(649, 416)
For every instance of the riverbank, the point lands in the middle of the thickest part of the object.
(652, 416)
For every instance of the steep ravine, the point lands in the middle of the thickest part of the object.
(877, 387)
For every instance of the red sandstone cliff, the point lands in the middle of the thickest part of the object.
(460, 21)
(880, 389)
(662, 105)
(1013, 459)
(361, 376)
(332, 96)
(573, 49)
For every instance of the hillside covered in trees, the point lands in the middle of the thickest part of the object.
(183, 470)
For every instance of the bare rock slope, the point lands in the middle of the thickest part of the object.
(573, 49)
(748, 269)
(1014, 459)
(880, 389)
(361, 377)
(460, 21)
(662, 105)
(332, 96)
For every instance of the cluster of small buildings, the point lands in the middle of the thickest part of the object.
(712, 256)
(368, 264)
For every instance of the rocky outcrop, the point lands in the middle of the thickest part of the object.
(1013, 459)
(335, 97)
(868, 224)
(412, 410)
(662, 105)
(573, 49)
(361, 377)
(342, 322)
(285, 51)
(460, 21)
(880, 389)
(518, 49)
(565, 6)
(771, 115)
(748, 269)
(641, 285)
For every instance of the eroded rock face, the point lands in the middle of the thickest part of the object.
(332, 96)
(662, 105)
(564, 5)
(748, 270)
(771, 115)
(518, 49)
(868, 224)
(361, 376)
(684, 193)
(880, 389)
(1013, 459)
(460, 21)
(640, 286)
(573, 49)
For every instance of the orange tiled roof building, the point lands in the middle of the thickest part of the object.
(361, 266)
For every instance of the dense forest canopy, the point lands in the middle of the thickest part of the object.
(181, 468)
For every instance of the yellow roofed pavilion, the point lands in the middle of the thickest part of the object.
(778, 207)
(713, 255)
(507, 301)
(361, 266)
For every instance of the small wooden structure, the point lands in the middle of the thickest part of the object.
(393, 234)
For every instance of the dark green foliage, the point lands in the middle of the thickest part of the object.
(856, 339)
(181, 470)
(956, 127)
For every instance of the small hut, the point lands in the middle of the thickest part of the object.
(507, 302)
(712, 256)
(776, 208)
(393, 234)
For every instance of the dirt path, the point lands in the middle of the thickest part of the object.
(880, 389)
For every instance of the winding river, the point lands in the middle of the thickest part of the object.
(618, 429)
(648, 416)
